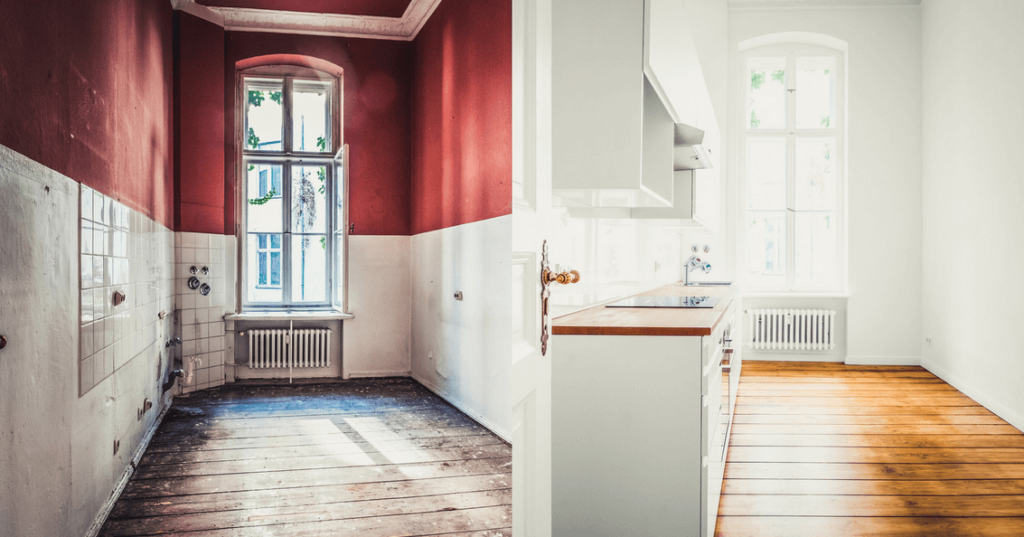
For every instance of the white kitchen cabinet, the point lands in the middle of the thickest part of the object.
(640, 427)
(610, 131)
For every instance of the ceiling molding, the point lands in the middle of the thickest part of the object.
(198, 10)
(818, 4)
(294, 22)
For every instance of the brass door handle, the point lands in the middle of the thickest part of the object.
(564, 278)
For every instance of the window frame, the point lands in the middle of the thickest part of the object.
(334, 160)
(791, 52)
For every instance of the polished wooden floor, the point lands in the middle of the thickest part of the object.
(822, 449)
(363, 457)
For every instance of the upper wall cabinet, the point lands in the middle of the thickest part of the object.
(611, 133)
(623, 73)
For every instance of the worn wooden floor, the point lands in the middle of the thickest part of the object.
(822, 449)
(363, 457)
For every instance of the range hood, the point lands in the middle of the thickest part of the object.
(689, 154)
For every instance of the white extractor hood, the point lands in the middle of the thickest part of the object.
(689, 154)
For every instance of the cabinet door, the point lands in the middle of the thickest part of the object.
(597, 93)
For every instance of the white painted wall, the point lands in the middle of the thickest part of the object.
(884, 165)
(973, 295)
(460, 349)
(376, 343)
(57, 461)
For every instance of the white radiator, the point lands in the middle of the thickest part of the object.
(800, 330)
(290, 348)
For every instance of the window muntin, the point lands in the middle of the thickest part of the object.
(290, 171)
(791, 143)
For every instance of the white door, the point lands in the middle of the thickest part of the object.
(531, 194)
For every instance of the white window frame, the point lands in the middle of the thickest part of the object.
(791, 52)
(334, 160)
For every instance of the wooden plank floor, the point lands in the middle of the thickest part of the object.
(824, 449)
(362, 457)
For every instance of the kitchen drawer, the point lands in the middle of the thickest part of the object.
(711, 413)
(713, 343)
(711, 346)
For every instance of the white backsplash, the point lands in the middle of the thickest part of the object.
(616, 257)
(121, 250)
(201, 317)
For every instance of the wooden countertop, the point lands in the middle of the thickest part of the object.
(604, 321)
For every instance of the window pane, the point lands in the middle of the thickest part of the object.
(766, 173)
(766, 247)
(309, 268)
(264, 211)
(263, 269)
(309, 199)
(275, 269)
(311, 116)
(263, 115)
(815, 249)
(815, 93)
(815, 174)
(767, 104)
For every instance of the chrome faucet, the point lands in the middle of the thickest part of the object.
(694, 263)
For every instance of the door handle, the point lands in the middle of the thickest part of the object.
(564, 277)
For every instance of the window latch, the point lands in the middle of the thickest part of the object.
(351, 228)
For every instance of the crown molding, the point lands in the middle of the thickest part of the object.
(294, 22)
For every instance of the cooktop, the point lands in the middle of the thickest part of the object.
(667, 302)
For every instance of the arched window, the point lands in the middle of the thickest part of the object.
(792, 154)
(292, 188)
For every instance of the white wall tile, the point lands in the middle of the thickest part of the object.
(122, 250)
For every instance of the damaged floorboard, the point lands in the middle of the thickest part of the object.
(366, 457)
(828, 449)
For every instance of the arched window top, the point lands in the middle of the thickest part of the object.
(296, 60)
(791, 38)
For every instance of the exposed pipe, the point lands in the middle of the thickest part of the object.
(172, 378)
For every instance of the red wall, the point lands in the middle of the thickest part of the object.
(376, 107)
(199, 125)
(462, 115)
(86, 90)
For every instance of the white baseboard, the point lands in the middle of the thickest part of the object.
(373, 374)
(978, 395)
(772, 356)
(491, 426)
(108, 506)
(883, 360)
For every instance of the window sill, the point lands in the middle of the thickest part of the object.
(289, 316)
